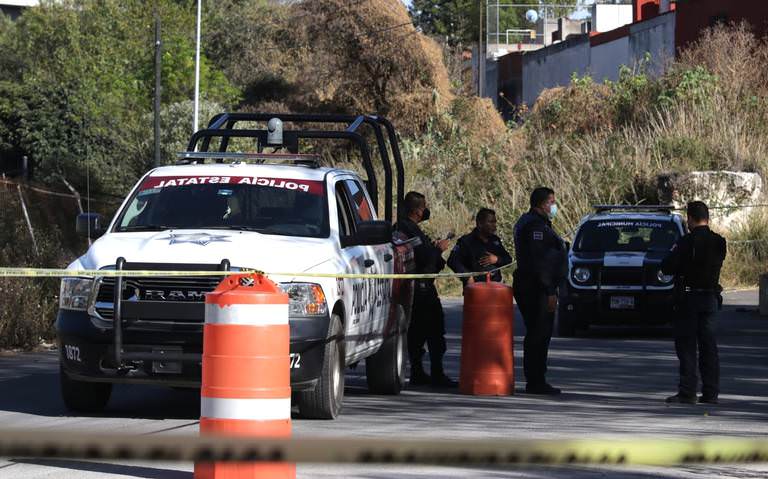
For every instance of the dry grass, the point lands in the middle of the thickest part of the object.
(28, 306)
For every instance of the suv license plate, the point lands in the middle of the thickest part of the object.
(622, 302)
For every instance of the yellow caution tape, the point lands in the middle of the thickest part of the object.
(6, 272)
(651, 452)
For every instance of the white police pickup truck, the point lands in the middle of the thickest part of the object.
(274, 213)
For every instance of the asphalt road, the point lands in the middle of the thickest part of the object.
(614, 383)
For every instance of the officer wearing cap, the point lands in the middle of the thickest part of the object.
(427, 318)
(541, 266)
(695, 261)
(480, 250)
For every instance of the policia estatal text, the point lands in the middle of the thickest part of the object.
(695, 260)
(541, 267)
(427, 319)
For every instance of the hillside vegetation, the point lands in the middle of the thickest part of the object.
(76, 86)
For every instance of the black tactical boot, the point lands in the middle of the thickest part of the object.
(418, 376)
(681, 399)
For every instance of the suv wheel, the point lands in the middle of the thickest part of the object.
(324, 401)
(385, 370)
(82, 396)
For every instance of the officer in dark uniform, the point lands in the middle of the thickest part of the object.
(427, 319)
(695, 260)
(480, 250)
(541, 267)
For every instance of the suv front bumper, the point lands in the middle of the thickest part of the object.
(649, 307)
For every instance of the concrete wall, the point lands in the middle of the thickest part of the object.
(553, 66)
(492, 81)
(693, 17)
(655, 36)
(606, 58)
(601, 55)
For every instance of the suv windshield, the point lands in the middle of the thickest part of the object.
(266, 205)
(626, 235)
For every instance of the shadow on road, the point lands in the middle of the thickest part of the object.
(101, 468)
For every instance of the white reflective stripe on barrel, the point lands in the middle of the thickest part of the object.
(248, 409)
(247, 314)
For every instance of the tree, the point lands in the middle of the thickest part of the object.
(82, 78)
(455, 20)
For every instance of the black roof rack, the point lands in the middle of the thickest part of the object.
(647, 208)
(223, 126)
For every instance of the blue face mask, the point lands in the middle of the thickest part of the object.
(552, 211)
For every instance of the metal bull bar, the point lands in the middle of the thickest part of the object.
(137, 308)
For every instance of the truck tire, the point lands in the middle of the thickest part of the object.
(385, 370)
(82, 396)
(324, 401)
(567, 323)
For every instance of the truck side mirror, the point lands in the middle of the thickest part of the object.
(373, 232)
(90, 225)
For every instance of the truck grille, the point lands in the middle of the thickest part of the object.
(174, 289)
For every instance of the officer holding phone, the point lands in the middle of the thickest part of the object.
(480, 250)
(427, 319)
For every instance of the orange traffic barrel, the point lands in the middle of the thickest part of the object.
(246, 383)
(487, 364)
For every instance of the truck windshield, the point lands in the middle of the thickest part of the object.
(272, 206)
(626, 235)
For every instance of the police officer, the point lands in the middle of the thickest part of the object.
(427, 319)
(541, 266)
(695, 260)
(480, 250)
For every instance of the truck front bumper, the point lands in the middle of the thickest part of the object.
(87, 351)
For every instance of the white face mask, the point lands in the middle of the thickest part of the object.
(552, 211)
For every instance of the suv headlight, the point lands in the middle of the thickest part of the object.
(664, 278)
(305, 299)
(75, 293)
(582, 275)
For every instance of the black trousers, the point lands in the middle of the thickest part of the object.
(532, 301)
(696, 346)
(427, 326)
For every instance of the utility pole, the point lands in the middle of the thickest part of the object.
(197, 68)
(480, 55)
(158, 71)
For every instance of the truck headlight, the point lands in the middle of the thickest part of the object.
(75, 293)
(582, 275)
(305, 299)
(664, 278)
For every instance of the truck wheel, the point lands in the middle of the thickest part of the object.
(566, 323)
(324, 401)
(82, 396)
(385, 370)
